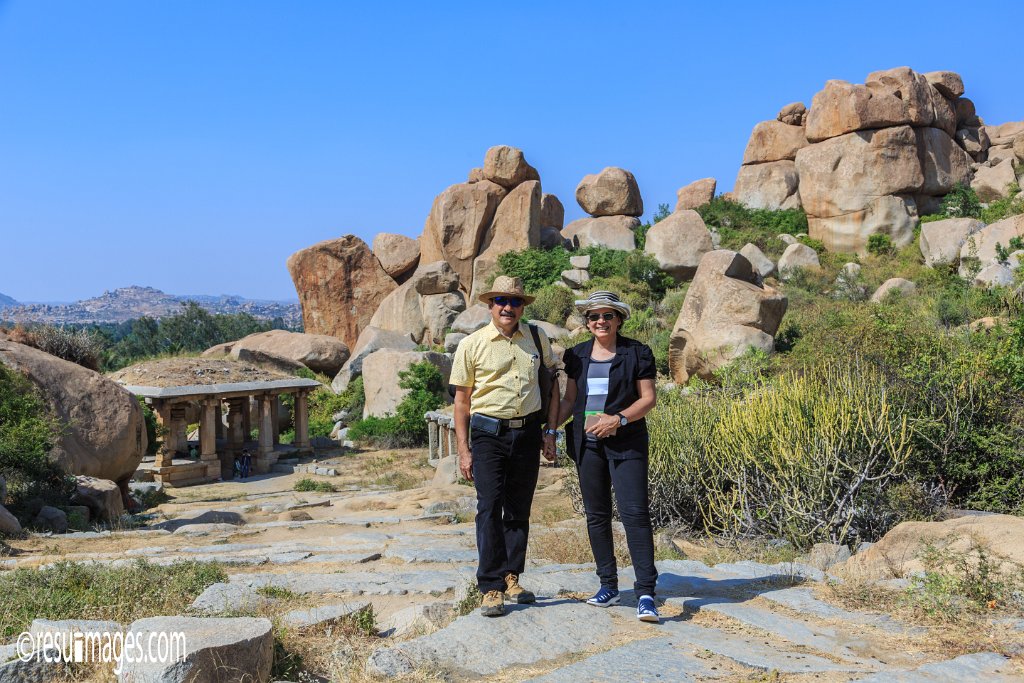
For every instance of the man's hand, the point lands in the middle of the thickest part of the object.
(606, 426)
(549, 447)
(466, 463)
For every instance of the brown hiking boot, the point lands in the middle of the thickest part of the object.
(517, 593)
(493, 604)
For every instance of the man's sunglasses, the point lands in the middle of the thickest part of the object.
(513, 301)
(594, 317)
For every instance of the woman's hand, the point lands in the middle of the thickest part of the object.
(549, 450)
(606, 426)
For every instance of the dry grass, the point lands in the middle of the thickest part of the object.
(712, 550)
(569, 544)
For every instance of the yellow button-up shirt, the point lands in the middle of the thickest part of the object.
(501, 372)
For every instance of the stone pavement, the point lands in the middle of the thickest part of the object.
(730, 622)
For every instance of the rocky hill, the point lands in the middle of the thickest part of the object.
(128, 303)
(6, 300)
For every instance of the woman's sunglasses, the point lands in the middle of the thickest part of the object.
(513, 301)
(594, 317)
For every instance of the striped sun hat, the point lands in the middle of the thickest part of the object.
(603, 299)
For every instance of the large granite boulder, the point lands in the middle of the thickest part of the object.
(472, 319)
(773, 185)
(943, 163)
(424, 306)
(340, 284)
(612, 192)
(858, 184)
(507, 167)
(516, 225)
(318, 352)
(455, 228)
(614, 232)
(774, 141)
(370, 339)
(725, 313)
(797, 255)
(678, 243)
(991, 182)
(979, 249)
(696, 194)
(397, 254)
(974, 140)
(941, 240)
(552, 213)
(9, 524)
(380, 377)
(893, 285)
(104, 431)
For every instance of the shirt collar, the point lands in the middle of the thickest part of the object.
(497, 334)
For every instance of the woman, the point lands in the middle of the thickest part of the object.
(610, 390)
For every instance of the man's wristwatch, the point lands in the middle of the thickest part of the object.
(550, 432)
(622, 420)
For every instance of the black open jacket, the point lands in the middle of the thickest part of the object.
(633, 361)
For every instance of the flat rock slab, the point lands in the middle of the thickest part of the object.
(526, 634)
(213, 650)
(803, 601)
(229, 597)
(303, 618)
(752, 652)
(821, 638)
(374, 583)
(983, 666)
(644, 661)
(431, 553)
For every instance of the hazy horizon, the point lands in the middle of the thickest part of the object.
(193, 147)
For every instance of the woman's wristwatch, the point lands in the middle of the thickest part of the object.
(550, 432)
(622, 420)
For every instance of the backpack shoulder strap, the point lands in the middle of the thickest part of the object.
(536, 342)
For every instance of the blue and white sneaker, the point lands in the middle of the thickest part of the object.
(646, 610)
(606, 597)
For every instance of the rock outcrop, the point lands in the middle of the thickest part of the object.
(612, 192)
(424, 306)
(340, 284)
(370, 339)
(696, 194)
(104, 433)
(613, 232)
(678, 243)
(941, 241)
(725, 313)
(318, 352)
(380, 377)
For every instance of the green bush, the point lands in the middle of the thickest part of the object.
(880, 244)
(962, 202)
(306, 484)
(79, 346)
(324, 403)
(407, 426)
(1010, 205)
(553, 304)
(816, 245)
(737, 225)
(27, 433)
(537, 267)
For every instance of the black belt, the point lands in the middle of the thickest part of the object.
(518, 422)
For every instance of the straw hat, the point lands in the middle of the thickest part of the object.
(505, 285)
(603, 299)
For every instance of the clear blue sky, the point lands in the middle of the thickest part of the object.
(194, 145)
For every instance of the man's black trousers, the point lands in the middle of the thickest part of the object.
(505, 469)
(597, 476)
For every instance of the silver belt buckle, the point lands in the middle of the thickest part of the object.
(516, 423)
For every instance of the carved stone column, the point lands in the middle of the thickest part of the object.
(301, 419)
(208, 419)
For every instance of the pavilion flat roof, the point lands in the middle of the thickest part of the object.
(226, 390)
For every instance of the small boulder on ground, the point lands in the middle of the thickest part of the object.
(991, 182)
(9, 524)
(941, 240)
(762, 264)
(797, 255)
(612, 192)
(101, 496)
(678, 243)
(896, 284)
(370, 339)
(994, 275)
(51, 519)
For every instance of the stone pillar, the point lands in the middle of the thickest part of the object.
(265, 457)
(275, 419)
(433, 452)
(220, 421)
(166, 453)
(301, 419)
(208, 419)
(247, 421)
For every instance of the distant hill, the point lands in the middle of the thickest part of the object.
(128, 303)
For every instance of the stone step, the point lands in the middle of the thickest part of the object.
(983, 666)
(656, 660)
(304, 618)
(357, 583)
(802, 600)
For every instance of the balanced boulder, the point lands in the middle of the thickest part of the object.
(612, 192)
(397, 254)
(318, 352)
(613, 232)
(507, 167)
(696, 194)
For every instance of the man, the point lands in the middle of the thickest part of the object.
(498, 429)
